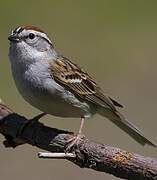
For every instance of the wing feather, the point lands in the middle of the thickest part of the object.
(79, 82)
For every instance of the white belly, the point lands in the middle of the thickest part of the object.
(45, 94)
(58, 105)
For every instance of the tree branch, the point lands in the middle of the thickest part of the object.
(86, 154)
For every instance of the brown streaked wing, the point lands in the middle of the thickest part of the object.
(78, 82)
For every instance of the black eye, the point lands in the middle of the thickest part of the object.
(31, 36)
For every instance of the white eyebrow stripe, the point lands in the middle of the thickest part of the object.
(41, 34)
(18, 29)
(44, 36)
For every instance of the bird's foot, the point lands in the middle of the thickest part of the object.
(73, 142)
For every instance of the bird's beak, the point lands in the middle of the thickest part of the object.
(14, 38)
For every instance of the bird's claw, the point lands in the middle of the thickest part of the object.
(73, 142)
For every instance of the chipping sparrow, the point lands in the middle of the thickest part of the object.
(56, 86)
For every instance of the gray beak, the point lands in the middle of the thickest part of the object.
(13, 38)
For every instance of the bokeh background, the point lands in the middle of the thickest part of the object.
(116, 42)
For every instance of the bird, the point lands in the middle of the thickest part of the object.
(55, 85)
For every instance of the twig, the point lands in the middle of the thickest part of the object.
(56, 155)
(100, 157)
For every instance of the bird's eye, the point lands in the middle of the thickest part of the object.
(31, 36)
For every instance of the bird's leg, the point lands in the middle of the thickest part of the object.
(75, 140)
(81, 125)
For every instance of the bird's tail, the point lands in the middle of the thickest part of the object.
(118, 119)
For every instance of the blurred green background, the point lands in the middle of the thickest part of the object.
(116, 42)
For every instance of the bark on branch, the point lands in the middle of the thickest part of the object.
(88, 154)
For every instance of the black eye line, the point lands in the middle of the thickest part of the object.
(47, 41)
(26, 37)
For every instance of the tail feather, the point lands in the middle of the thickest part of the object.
(118, 119)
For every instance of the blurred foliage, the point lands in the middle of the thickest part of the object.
(115, 41)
